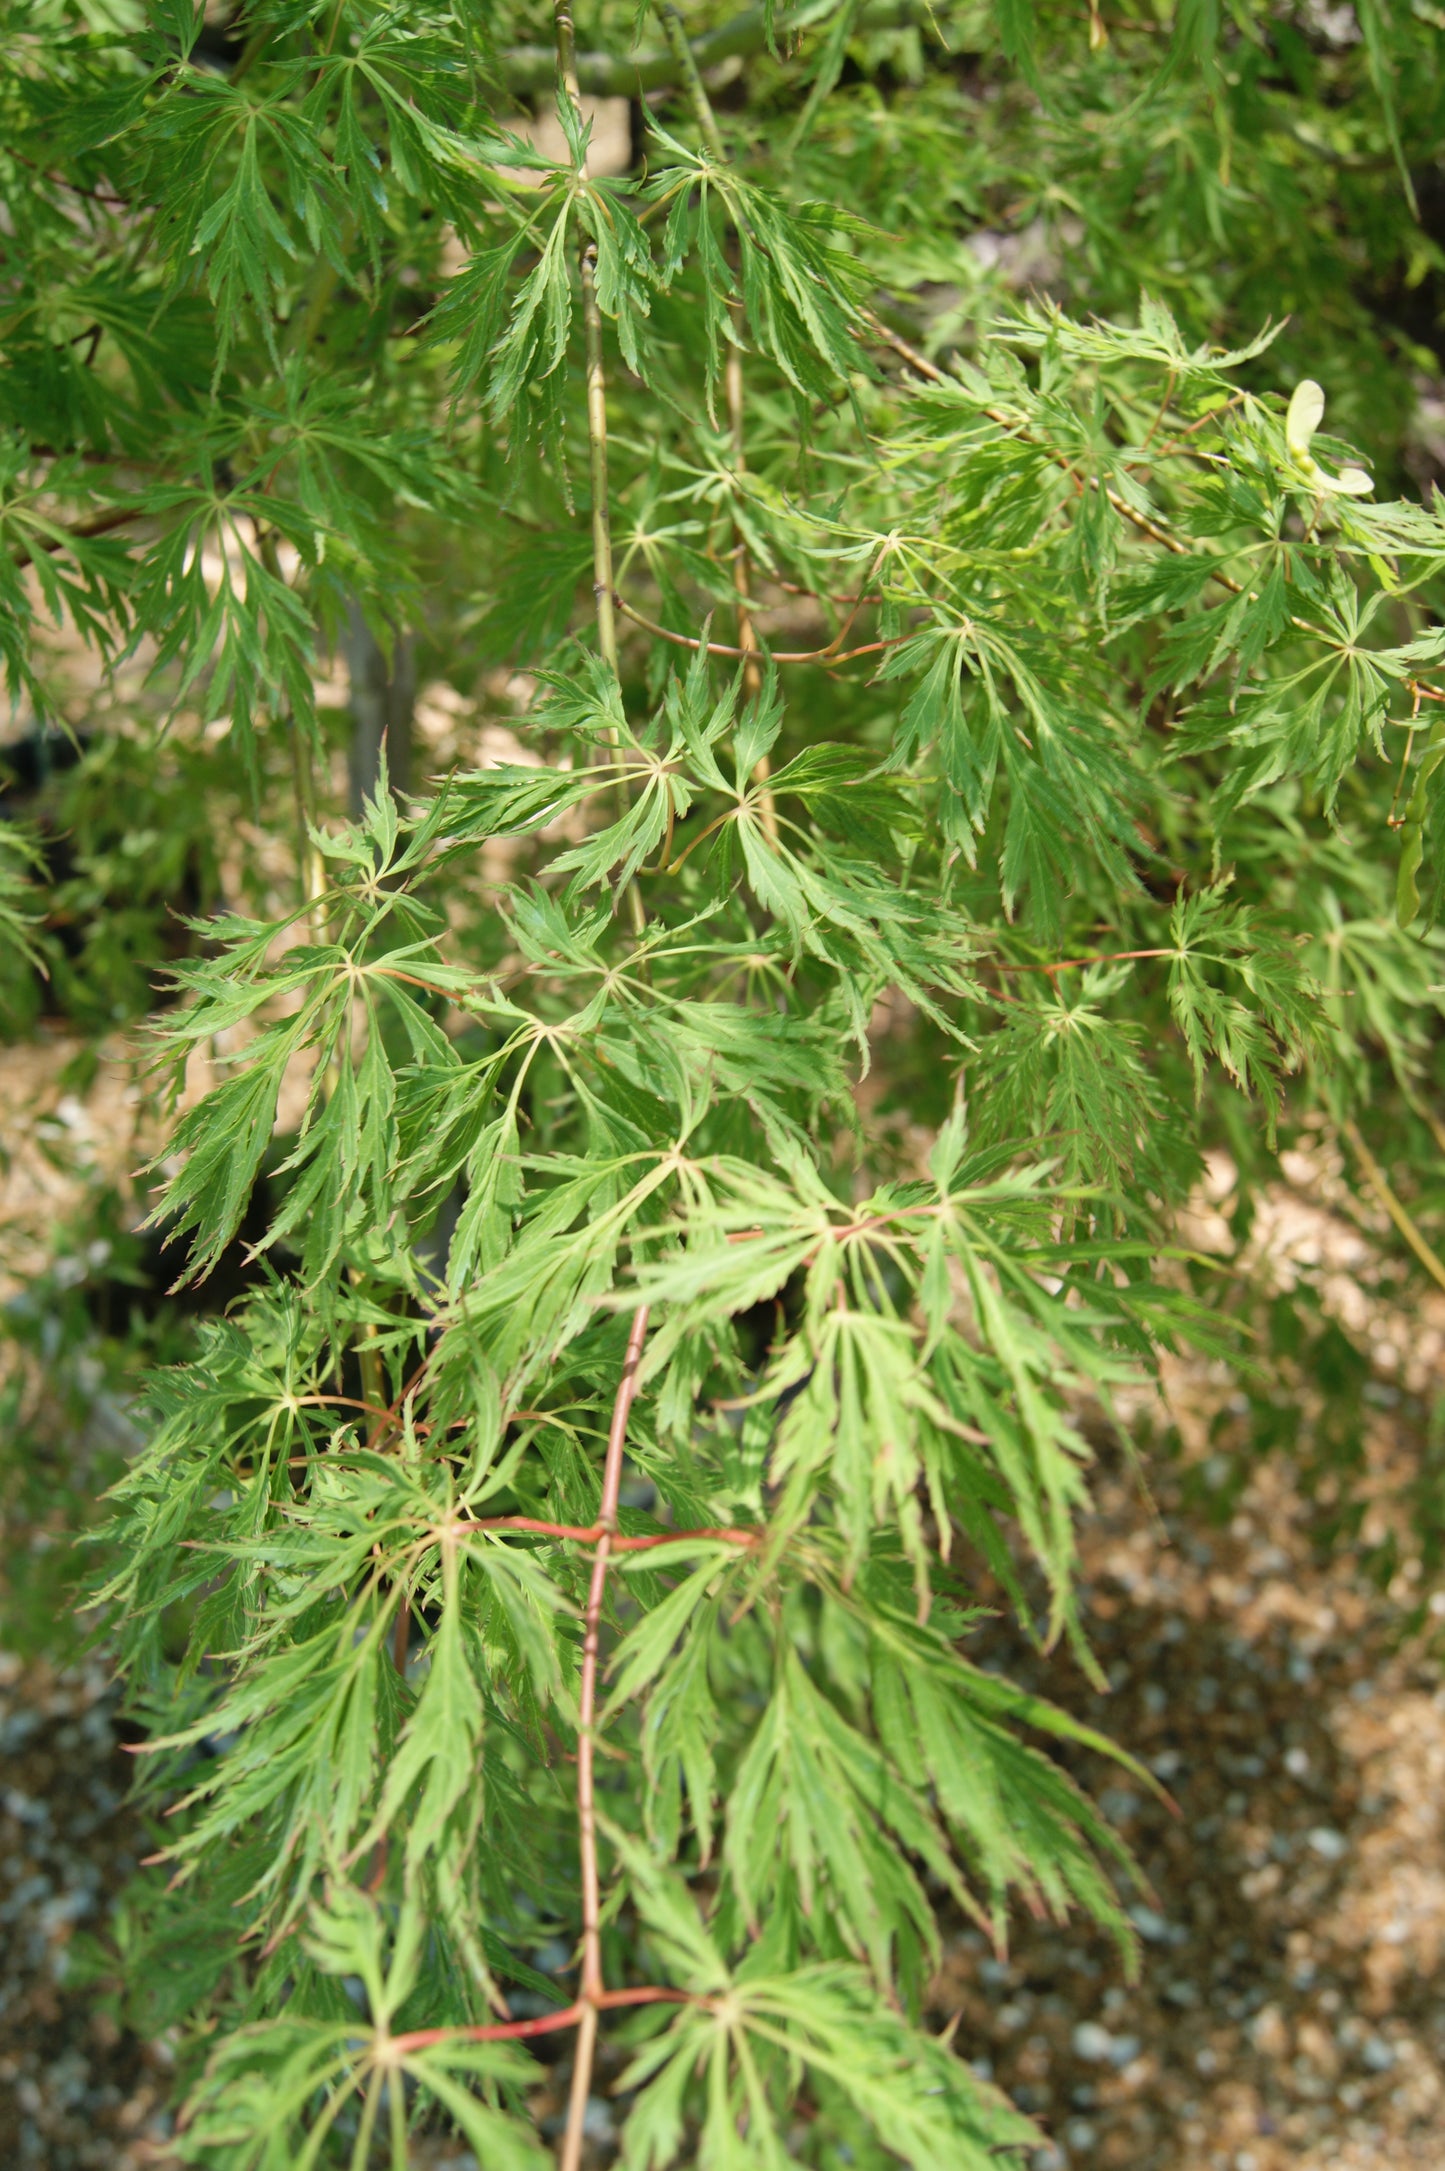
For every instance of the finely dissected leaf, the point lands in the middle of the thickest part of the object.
(441, 1743)
(779, 736)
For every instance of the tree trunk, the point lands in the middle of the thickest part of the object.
(383, 695)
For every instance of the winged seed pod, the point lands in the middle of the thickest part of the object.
(1303, 418)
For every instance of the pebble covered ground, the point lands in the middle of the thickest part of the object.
(1288, 2008)
(76, 2092)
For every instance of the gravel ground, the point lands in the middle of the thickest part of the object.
(76, 2092)
(1288, 2007)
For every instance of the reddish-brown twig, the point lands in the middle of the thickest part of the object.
(1005, 421)
(1188, 429)
(1071, 964)
(594, 1533)
(829, 655)
(1156, 534)
(511, 2031)
(592, 1984)
(818, 595)
(347, 1402)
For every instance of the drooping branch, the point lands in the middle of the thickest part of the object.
(733, 381)
(597, 448)
(922, 367)
(84, 531)
(1174, 544)
(566, 63)
(1375, 1176)
(829, 655)
(593, 1988)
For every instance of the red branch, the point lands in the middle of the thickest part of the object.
(512, 2031)
(594, 1533)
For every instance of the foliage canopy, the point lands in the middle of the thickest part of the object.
(979, 751)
